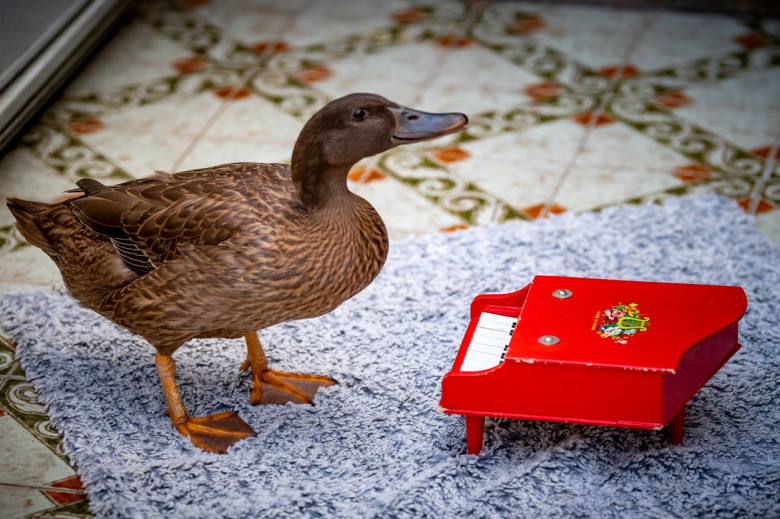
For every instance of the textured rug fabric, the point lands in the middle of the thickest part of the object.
(374, 445)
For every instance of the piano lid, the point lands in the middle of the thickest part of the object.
(619, 324)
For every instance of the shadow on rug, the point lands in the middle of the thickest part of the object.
(374, 445)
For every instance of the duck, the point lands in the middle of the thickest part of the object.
(228, 250)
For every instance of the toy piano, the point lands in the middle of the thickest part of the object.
(591, 351)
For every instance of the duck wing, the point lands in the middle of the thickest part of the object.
(154, 220)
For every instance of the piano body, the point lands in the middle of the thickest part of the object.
(591, 351)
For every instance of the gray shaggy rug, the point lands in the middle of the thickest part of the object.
(374, 445)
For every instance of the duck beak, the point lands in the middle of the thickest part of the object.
(414, 125)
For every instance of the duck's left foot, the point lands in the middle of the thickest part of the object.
(217, 432)
(270, 386)
(278, 387)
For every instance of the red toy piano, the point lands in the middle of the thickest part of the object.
(591, 351)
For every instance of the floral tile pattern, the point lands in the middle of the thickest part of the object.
(572, 108)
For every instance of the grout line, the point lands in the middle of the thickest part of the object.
(417, 99)
(229, 99)
(603, 102)
(202, 133)
(447, 53)
(769, 166)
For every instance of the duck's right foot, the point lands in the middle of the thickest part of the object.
(216, 432)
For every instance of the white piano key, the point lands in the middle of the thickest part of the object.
(489, 342)
(496, 322)
(474, 362)
(498, 317)
(486, 348)
(491, 334)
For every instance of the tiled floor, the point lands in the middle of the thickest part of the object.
(572, 108)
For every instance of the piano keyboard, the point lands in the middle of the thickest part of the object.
(489, 343)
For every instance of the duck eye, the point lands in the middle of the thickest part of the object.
(359, 114)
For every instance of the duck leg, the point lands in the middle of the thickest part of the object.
(213, 433)
(270, 386)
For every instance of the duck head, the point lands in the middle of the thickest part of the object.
(352, 128)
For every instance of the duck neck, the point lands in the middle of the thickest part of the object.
(319, 184)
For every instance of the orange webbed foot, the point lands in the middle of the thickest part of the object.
(272, 387)
(216, 432)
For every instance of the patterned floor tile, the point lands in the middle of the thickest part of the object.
(771, 26)
(320, 21)
(251, 22)
(749, 121)
(596, 37)
(769, 224)
(29, 267)
(250, 129)
(591, 187)
(669, 39)
(522, 168)
(137, 53)
(24, 461)
(19, 501)
(437, 182)
(606, 172)
(25, 176)
(473, 79)
(153, 136)
(401, 206)
(378, 72)
(767, 198)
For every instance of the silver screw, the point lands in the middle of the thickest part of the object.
(549, 340)
(562, 293)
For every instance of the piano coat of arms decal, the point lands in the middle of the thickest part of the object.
(621, 322)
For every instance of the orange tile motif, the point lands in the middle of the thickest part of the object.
(232, 93)
(85, 126)
(542, 91)
(314, 74)
(409, 16)
(451, 154)
(762, 206)
(619, 72)
(453, 41)
(673, 100)
(752, 40)
(590, 118)
(360, 175)
(270, 47)
(766, 151)
(190, 65)
(526, 24)
(453, 228)
(692, 172)
(535, 211)
(66, 498)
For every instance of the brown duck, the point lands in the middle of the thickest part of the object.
(232, 249)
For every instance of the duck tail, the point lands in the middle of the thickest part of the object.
(87, 260)
(29, 220)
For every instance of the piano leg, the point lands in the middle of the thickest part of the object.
(676, 427)
(475, 425)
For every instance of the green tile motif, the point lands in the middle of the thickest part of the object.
(630, 101)
(18, 398)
